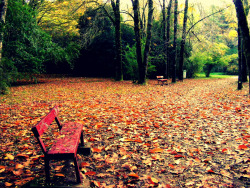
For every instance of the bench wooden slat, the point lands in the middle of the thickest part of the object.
(43, 125)
(68, 139)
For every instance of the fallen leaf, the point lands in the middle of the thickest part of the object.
(156, 150)
(59, 175)
(90, 173)
(242, 147)
(134, 175)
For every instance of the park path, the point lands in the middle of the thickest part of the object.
(189, 134)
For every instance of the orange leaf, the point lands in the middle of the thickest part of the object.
(7, 184)
(18, 172)
(97, 183)
(170, 165)
(134, 175)
(242, 147)
(156, 150)
(19, 166)
(59, 175)
(90, 173)
(96, 150)
(139, 141)
(84, 164)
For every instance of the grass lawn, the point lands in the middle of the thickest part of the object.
(214, 75)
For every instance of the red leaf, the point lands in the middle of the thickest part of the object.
(242, 147)
(224, 150)
(178, 156)
(210, 171)
(171, 166)
(97, 150)
(84, 164)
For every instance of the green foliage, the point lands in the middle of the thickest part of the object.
(27, 48)
(195, 64)
(130, 65)
(209, 59)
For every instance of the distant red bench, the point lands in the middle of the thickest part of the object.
(161, 80)
(66, 145)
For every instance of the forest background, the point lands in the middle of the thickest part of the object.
(79, 38)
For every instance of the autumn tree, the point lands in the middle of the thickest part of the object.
(3, 76)
(142, 60)
(183, 41)
(168, 64)
(243, 26)
(175, 41)
(166, 35)
(116, 20)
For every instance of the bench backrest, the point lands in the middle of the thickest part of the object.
(43, 125)
(159, 77)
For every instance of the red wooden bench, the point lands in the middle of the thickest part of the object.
(161, 80)
(65, 146)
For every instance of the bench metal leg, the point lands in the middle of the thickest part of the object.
(78, 177)
(82, 141)
(47, 169)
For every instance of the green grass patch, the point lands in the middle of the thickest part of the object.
(214, 75)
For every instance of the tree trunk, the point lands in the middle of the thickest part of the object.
(3, 76)
(243, 26)
(175, 41)
(183, 41)
(3, 10)
(209, 69)
(168, 63)
(138, 39)
(240, 60)
(118, 44)
(244, 63)
(164, 34)
(148, 41)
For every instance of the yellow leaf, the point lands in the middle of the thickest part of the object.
(9, 156)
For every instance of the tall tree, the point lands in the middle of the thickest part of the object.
(167, 42)
(137, 29)
(242, 60)
(148, 42)
(243, 26)
(175, 41)
(142, 61)
(3, 10)
(183, 41)
(118, 44)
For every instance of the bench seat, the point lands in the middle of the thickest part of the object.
(68, 140)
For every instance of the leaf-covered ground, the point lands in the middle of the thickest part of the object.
(190, 134)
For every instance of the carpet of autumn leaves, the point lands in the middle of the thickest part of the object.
(194, 133)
